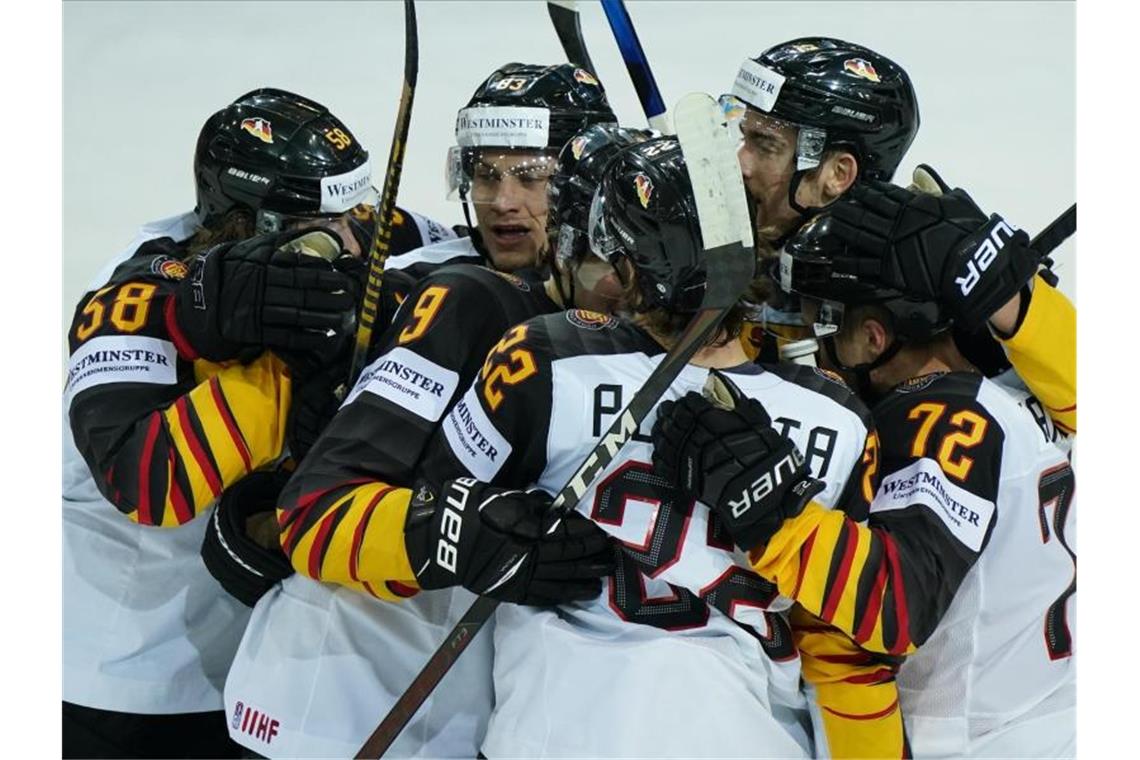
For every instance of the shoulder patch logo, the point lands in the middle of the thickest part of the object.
(644, 189)
(585, 77)
(170, 268)
(861, 68)
(827, 374)
(918, 383)
(515, 280)
(590, 320)
(259, 128)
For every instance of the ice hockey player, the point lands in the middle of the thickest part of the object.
(172, 398)
(814, 115)
(343, 519)
(507, 141)
(964, 567)
(925, 233)
(679, 617)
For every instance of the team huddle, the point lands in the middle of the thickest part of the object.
(844, 529)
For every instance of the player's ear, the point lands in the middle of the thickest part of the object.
(839, 172)
(875, 335)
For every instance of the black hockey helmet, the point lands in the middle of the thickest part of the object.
(525, 107)
(573, 96)
(838, 95)
(644, 211)
(581, 164)
(816, 265)
(278, 154)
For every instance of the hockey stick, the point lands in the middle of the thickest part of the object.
(726, 235)
(564, 16)
(1056, 233)
(382, 234)
(1047, 240)
(637, 65)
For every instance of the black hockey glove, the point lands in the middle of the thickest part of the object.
(241, 548)
(936, 247)
(495, 542)
(735, 462)
(283, 291)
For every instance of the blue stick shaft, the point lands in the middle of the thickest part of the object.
(636, 63)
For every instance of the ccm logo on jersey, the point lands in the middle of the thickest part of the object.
(255, 723)
(984, 255)
(766, 483)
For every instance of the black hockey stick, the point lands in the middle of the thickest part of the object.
(1056, 233)
(637, 65)
(564, 16)
(727, 238)
(382, 234)
(1047, 240)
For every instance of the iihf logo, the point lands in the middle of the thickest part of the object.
(238, 710)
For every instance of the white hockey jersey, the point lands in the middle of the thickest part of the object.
(997, 677)
(145, 628)
(686, 652)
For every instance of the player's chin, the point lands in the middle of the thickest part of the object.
(515, 254)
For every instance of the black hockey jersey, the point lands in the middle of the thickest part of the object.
(340, 506)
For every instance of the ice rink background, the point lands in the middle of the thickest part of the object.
(996, 84)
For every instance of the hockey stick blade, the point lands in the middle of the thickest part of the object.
(637, 65)
(382, 234)
(564, 16)
(730, 266)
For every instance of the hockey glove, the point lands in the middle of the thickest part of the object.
(734, 461)
(937, 247)
(495, 542)
(282, 291)
(241, 548)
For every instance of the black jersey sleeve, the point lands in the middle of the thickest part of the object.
(497, 432)
(347, 499)
(888, 583)
(162, 434)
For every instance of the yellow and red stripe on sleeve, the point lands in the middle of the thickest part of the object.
(847, 574)
(855, 691)
(228, 425)
(352, 535)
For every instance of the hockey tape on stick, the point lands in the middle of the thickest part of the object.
(637, 65)
(382, 234)
(564, 16)
(712, 164)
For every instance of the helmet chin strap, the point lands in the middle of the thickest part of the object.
(862, 371)
(473, 231)
(806, 212)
